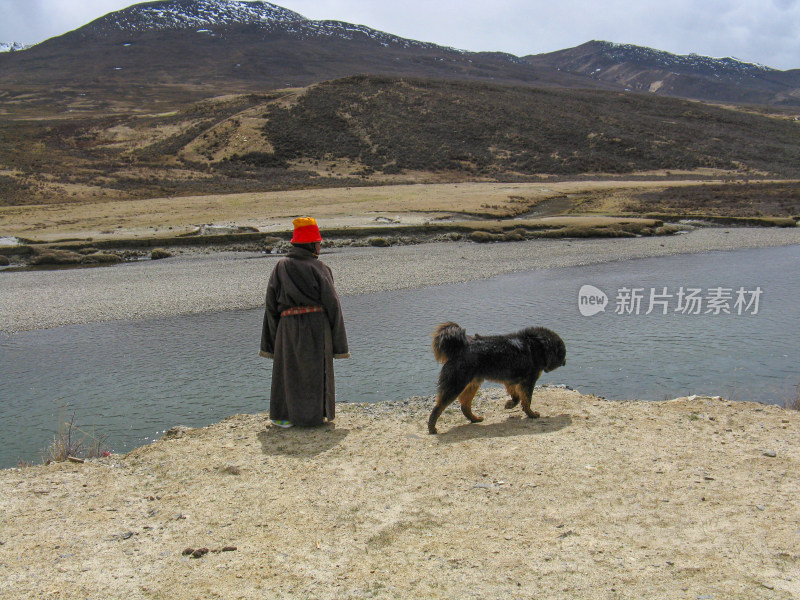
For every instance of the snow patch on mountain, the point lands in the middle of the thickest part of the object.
(349, 31)
(668, 61)
(204, 16)
(12, 47)
(195, 14)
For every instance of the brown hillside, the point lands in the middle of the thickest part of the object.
(374, 130)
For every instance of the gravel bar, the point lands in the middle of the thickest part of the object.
(198, 281)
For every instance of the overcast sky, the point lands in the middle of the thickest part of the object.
(762, 31)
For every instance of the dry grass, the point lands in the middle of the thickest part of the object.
(741, 200)
(792, 402)
(336, 207)
(71, 442)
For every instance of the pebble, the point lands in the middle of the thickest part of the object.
(483, 486)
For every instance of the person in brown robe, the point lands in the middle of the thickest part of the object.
(303, 332)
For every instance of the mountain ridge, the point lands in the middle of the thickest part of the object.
(173, 47)
(619, 52)
(185, 14)
(215, 16)
(643, 69)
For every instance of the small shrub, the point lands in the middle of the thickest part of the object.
(669, 229)
(793, 401)
(101, 258)
(56, 257)
(159, 253)
(481, 237)
(514, 236)
(260, 159)
(72, 442)
(392, 169)
(379, 242)
(576, 231)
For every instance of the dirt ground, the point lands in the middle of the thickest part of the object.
(690, 498)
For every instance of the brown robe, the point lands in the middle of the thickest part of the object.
(303, 346)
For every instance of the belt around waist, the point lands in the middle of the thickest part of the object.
(301, 310)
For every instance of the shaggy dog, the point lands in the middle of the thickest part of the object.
(516, 360)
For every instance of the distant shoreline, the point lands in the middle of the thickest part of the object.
(203, 282)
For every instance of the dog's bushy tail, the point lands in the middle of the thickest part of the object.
(448, 340)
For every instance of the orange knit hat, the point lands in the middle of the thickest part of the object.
(305, 231)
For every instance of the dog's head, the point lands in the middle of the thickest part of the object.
(557, 359)
(554, 349)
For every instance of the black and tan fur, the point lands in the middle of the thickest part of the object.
(516, 360)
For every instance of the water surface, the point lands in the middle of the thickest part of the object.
(132, 380)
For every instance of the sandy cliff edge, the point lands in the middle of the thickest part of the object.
(690, 498)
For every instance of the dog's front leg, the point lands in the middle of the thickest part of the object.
(513, 391)
(466, 397)
(526, 390)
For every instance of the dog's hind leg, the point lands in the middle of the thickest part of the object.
(526, 390)
(513, 391)
(442, 402)
(452, 381)
(466, 397)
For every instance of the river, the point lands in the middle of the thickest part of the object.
(720, 323)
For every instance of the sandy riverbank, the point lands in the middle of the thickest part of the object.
(200, 282)
(685, 499)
